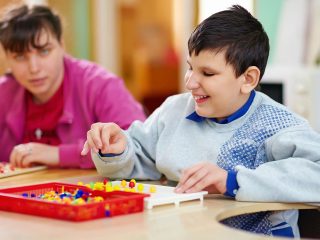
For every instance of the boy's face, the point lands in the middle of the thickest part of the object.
(213, 84)
(40, 71)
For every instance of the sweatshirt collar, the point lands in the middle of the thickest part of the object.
(239, 113)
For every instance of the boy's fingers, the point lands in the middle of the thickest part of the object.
(90, 143)
(105, 138)
(118, 145)
(95, 138)
(98, 137)
(188, 172)
(193, 180)
(85, 149)
(201, 184)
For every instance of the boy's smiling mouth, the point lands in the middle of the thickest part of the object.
(200, 98)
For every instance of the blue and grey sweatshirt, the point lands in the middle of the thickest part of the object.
(266, 149)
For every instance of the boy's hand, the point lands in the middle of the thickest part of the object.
(107, 137)
(203, 176)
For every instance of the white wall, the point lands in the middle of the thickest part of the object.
(105, 47)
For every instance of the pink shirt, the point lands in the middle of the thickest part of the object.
(91, 94)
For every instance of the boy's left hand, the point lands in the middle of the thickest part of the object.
(203, 176)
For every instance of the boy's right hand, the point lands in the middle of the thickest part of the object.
(108, 137)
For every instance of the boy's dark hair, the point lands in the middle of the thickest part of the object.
(21, 26)
(238, 33)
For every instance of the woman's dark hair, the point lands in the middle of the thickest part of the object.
(20, 27)
(236, 32)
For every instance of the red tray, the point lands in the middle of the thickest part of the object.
(114, 203)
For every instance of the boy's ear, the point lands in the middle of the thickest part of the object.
(251, 79)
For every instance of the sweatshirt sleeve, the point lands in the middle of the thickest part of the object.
(138, 160)
(291, 173)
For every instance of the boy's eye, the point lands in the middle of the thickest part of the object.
(208, 74)
(189, 65)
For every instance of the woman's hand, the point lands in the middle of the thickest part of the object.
(28, 154)
(203, 176)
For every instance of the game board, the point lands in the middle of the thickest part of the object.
(165, 195)
(105, 199)
(7, 171)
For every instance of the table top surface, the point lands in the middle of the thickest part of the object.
(190, 220)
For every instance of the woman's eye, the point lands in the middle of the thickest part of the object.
(44, 52)
(19, 57)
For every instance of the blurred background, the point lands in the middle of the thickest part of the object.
(145, 42)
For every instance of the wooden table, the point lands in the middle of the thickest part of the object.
(191, 220)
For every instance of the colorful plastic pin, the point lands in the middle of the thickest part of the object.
(152, 189)
(109, 188)
(105, 181)
(140, 187)
(133, 180)
(131, 184)
(123, 183)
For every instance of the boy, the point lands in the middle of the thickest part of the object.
(49, 99)
(223, 136)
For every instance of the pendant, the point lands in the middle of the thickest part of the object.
(38, 133)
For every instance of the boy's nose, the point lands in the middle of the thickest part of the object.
(191, 81)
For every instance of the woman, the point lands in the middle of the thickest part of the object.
(49, 100)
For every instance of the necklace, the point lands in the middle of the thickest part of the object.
(38, 133)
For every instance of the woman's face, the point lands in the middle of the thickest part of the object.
(41, 70)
